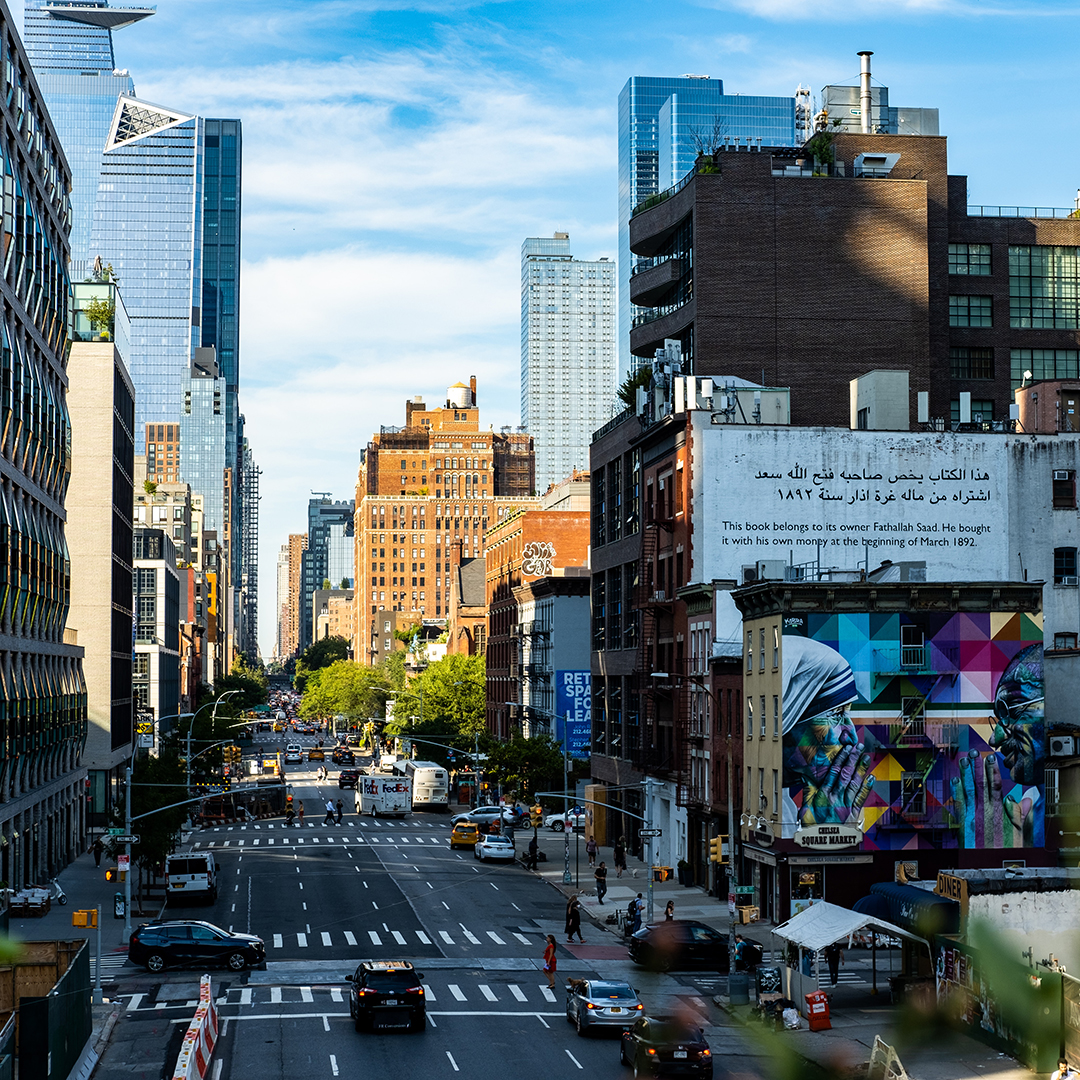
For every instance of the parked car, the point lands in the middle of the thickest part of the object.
(387, 994)
(601, 1003)
(655, 1045)
(497, 848)
(679, 944)
(558, 822)
(348, 778)
(464, 834)
(183, 942)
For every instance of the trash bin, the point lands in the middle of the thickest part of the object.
(739, 988)
(817, 1011)
(119, 908)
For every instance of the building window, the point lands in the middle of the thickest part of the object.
(912, 794)
(967, 362)
(1043, 364)
(1065, 566)
(775, 792)
(1065, 641)
(775, 647)
(1043, 288)
(971, 311)
(749, 717)
(763, 716)
(775, 716)
(761, 639)
(982, 412)
(970, 259)
(749, 652)
(1064, 489)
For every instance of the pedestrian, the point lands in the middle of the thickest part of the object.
(591, 850)
(834, 955)
(600, 873)
(637, 907)
(97, 849)
(330, 811)
(573, 919)
(620, 856)
(1063, 1071)
(534, 851)
(340, 810)
(550, 962)
(300, 813)
(739, 946)
(669, 911)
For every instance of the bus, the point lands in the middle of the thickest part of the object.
(429, 783)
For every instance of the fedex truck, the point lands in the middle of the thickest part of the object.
(380, 794)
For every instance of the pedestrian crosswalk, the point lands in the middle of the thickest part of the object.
(111, 964)
(394, 938)
(295, 837)
(451, 989)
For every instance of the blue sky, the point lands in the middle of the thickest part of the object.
(396, 153)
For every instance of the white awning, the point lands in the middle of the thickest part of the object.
(823, 924)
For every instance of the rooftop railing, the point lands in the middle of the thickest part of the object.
(1023, 211)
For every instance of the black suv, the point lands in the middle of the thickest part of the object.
(184, 942)
(348, 778)
(387, 994)
(342, 755)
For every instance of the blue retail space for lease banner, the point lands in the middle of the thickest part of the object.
(573, 709)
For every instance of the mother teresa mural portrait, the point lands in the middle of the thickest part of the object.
(826, 769)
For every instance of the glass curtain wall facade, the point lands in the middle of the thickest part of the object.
(567, 353)
(661, 123)
(202, 441)
(71, 51)
(315, 563)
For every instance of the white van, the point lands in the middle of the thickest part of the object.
(192, 874)
(377, 793)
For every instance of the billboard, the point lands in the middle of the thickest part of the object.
(923, 731)
(573, 711)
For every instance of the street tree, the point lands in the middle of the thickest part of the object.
(352, 690)
(526, 765)
(321, 654)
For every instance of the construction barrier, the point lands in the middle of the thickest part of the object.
(199, 1040)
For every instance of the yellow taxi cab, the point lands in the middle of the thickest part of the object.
(279, 727)
(465, 834)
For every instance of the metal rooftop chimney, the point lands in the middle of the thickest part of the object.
(864, 91)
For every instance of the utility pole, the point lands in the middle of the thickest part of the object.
(127, 850)
(649, 842)
(567, 878)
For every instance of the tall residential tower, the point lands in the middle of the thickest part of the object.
(567, 353)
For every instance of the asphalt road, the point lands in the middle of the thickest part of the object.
(325, 896)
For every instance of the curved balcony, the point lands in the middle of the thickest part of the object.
(647, 286)
(651, 229)
(649, 335)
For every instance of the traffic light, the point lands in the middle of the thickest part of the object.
(536, 816)
(110, 875)
(716, 849)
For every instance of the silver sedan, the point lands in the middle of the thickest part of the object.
(495, 847)
(601, 1003)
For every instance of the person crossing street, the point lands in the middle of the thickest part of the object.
(330, 811)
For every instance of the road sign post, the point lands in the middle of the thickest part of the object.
(651, 833)
(129, 838)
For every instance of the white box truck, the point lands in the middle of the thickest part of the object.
(378, 794)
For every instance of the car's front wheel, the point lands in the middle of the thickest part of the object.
(236, 961)
(155, 962)
(558, 826)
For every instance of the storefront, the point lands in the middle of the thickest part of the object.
(808, 878)
(759, 870)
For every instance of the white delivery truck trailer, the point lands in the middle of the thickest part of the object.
(378, 794)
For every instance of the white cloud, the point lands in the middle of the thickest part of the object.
(801, 11)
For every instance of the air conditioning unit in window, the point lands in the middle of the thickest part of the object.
(1061, 474)
(1063, 746)
(1068, 580)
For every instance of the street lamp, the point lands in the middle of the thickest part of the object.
(733, 868)
(213, 715)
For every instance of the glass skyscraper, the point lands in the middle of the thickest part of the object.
(567, 353)
(662, 121)
(202, 437)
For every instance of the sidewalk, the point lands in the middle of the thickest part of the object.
(857, 1015)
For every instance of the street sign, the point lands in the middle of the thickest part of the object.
(115, 831)
(123, 863)
(744, 890)
(650, 832)
(127, 839)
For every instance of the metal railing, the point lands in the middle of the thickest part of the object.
(1023, 211)
(662, 196)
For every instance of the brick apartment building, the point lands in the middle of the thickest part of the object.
(764, 270)
(437, 482)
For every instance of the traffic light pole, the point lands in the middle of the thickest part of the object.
(127, 851)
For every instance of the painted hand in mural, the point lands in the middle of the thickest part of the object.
(986, 819)
(1019, 719)
(840, 794)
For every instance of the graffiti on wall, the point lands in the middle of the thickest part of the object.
(536, 558)
(915, 727)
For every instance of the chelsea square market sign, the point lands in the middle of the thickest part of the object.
(828, 836)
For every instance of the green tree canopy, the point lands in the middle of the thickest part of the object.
(321, 654)
(526, 765)
(156, 782)
(249, 680)
(353, 690)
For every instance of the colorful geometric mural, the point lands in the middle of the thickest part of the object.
(926, 730)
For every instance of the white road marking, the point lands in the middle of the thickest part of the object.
(446, 905)
(335, 993)
(301, 940)
(487, 992)
(574, 1060)
(428, 993)
(495, 937)
(494, 886)
(333, 1061)
(300, 883)
(452, 1061)
(543, 1021)
(303, 904)
(245, 995)
(275, 995)
(217, 1067)
(469, 935)
(278, 943)
(305, 994)
(136, 1000)
(549, 994)
(429, 885)
(522, 938)
(374, 905)
(446, 937)
(423, 937)
(234, 907)
(375, 939)
(325, 938)
(325, 1022)
(350, 938)
(456, 991)
(518, 993)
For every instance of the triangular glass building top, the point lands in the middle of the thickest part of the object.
(136, 119)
